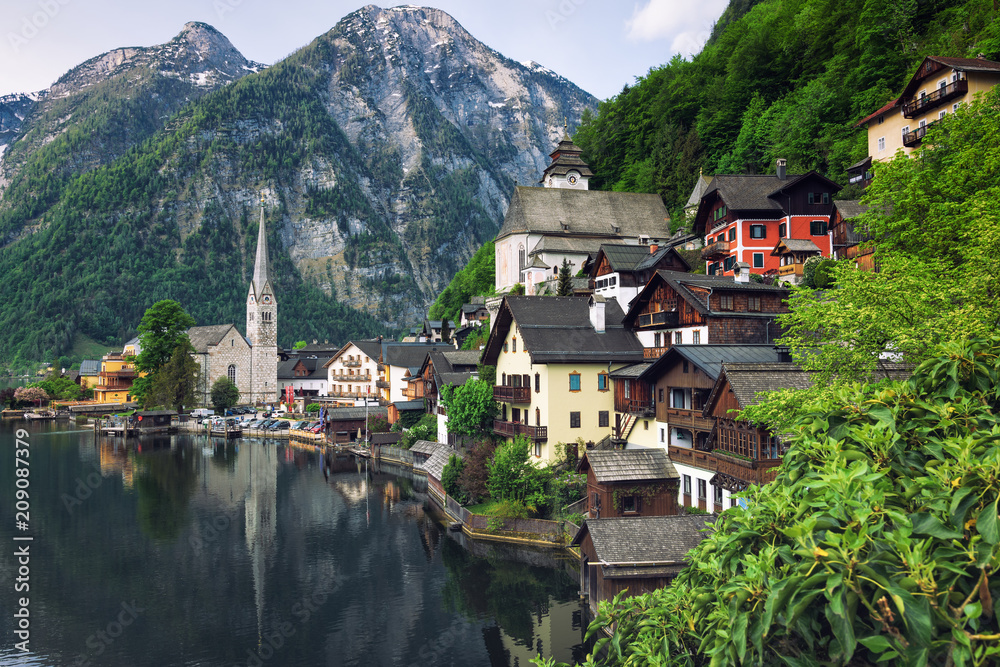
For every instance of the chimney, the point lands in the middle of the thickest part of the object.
(653, 248)
(741, 272)
(597, 313)
(782, 163)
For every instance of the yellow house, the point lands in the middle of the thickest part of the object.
(938, 87)
(90, 370)
(554, 357)
(115, 379)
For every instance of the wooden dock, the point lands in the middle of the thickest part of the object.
(227, 432)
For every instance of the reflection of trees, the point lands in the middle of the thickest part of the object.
(506, 591)
(164, 488)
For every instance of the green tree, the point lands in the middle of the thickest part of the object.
(876, 544)
(313, 407)
(225, 394)
(173, 384)
(471, 407)
(164, 325)
(565, 284)
(450, 476)
(299, 345)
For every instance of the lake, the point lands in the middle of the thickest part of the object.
(184, 550)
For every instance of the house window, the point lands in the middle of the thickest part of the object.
(696, 338)
(954, 107)
(232, 373)
(678, 338)
(717, 494)
(574, 420)
(603, 419)
(905, 131)
(728, 264)
(602, 382)
(817, 227)
(819, 197)
(713, 268)
(513, 344)
(574, 382)
(881, 144)
(538, 450)
(686, 366)
(753, 304)
(782, 230)
(663, 434)
(758, 231)
(758, 260)
(538, 383)
(732, 234)
(645, 425)
(505, 346)
(659, 395)
(687, 485)
(630, 504)
(725, 302)
(942, 113)
(702, 490)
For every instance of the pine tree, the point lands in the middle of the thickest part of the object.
(565, 287)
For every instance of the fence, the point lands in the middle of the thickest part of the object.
(393, 454)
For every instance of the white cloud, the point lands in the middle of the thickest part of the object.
(686, 24)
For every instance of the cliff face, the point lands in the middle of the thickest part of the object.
(385, 150)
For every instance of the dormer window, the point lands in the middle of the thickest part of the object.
(644, 240)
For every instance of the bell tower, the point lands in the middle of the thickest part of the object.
(567, 170)
(262, 325)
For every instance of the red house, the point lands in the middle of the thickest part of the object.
(743, 217)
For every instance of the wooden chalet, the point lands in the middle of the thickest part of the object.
(850, 242)
(619, 271)
(629, 482)
(745, 453)
(441, 368)
(638, 554)
(154, 421)
(348, 424)
(683, 308)
(792, 255)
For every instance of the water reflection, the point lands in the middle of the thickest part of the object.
(240, 550)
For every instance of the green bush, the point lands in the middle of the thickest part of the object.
(313, 407)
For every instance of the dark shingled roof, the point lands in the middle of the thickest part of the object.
(90, 367)
(426, 447)
(351, 414)
(632, 371)
(623, 257)
(203, 337)
(748, 380)
(795, 245)
(409, 355)
(369, 347)
(558, 330)
(743, 192)
(850, 208)
(643, 541)
(386, 438)
(316, 366)
(679, 282)
(629, 465)
(405, 406)
(456, 379)
(709, 358)
(587, 212)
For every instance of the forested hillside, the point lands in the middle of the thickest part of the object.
(782, 78)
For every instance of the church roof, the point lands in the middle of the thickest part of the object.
(203, 337)
(260, 269)
(568, 212)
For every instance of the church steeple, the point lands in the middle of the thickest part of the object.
(568, 170)
(260, 274)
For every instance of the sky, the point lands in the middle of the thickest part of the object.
(600, 45)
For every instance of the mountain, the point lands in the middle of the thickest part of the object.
(778, 79)
(384, 151)
(13, 109)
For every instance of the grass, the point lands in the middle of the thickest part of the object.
(481, 508)
(88, 348)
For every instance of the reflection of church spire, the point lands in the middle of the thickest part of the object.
(261, 530)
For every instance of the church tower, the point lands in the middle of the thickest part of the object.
(567, 170)
(262, 326)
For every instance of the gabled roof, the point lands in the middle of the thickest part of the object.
(850, 208)
(314, 364)
(699, 189)
(90, 367)
(681, 282)
(409, 355)
(630, 372)
(628, 465)
(586, 212)
(794, 245)
(624, 258)
(427, 447)
(386, 438)
(557, 329)
(709, 358)
(623, 544)
(792, 182)
(747, 381)
(203, 337)
(960, 64)
(408, 406)
(582, 245)
(352, 414)
(891, 104)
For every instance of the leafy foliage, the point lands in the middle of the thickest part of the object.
(417, 426)
(475, 473)
(475, 279)
(173, 383)
(30, 394)
(471, 407)
(878, 542)
(513, 477)
(225, 394)
(64, 389)
(450, 475)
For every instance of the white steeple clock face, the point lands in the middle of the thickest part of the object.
(573, 177)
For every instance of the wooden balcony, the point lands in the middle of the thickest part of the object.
(692, 419)
(692, 457)
(346, 394)
(510, 429)
(343, 377)
(512, 394)
(126, 374)
(382, 384)
(790, 270)
(663, 319)
(717, 250)
(413, 393)
(654, 352)
(642, 408)
(918, 105)
(752, 472)
(911, 139)
(351, 363)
